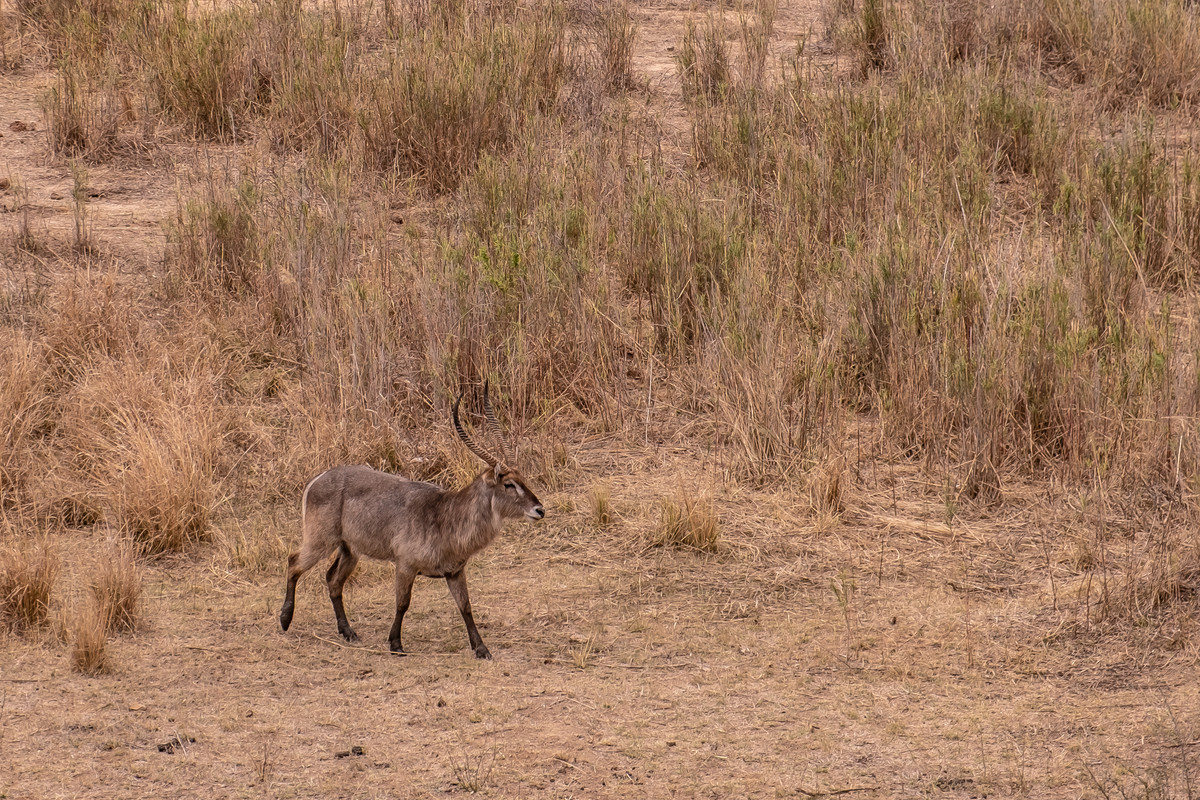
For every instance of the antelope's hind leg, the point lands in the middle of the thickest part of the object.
(404, 584)
(339, 571)
(299, 563)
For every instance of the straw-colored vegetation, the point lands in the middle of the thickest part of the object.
(907, 295)
(29, 565)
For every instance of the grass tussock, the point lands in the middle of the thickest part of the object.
(152, 448)
(116, 588)
(83, 122)
(616, 36)
(25, 407)
(703, 61)
(216, 242)
(1124, 53)
(600, 499)
(89, 641)
(688, 522)
(453, 94)
(203, 70)
(90, 321)
(15, 47)
(166, 492)
(28, 571)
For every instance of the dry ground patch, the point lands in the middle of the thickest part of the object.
(937, 667)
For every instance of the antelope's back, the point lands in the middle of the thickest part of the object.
(381, 515)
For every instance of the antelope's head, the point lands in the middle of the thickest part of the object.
(511, 496)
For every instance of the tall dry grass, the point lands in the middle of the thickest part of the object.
(26, 409)
(115, 588)
(89, 647)
(148, 445)
(29, 566)
(449, 94)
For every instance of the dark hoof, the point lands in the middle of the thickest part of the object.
(396, 648)
(349, 635)
(483, 652)
(285, 617)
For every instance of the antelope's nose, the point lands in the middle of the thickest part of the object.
(537, 512)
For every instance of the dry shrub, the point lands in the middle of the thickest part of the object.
(116, 588)
(690, 522)
(89, 632)
(28, 570)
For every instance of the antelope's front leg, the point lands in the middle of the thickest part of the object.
(458, 589)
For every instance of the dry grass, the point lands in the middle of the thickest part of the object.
(85, 121)
(89, 641)
(446, 99)
(616, 39)
(600, 498)
(703, 61)
(203, 70)
(25, 407)
(688, 521)
(28, 570)
(116, 589)
(150, 449)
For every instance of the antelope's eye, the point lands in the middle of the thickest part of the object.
(509, 485)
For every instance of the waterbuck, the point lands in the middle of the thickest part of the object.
(422, 528)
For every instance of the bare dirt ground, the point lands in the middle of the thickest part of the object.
(879, 653)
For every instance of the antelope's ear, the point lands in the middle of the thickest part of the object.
(497, 472)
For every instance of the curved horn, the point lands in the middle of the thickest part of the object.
(487, 457)
(494, 427)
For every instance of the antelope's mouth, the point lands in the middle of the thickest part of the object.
(537, 512)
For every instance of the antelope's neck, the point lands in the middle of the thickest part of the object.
(474, 521)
